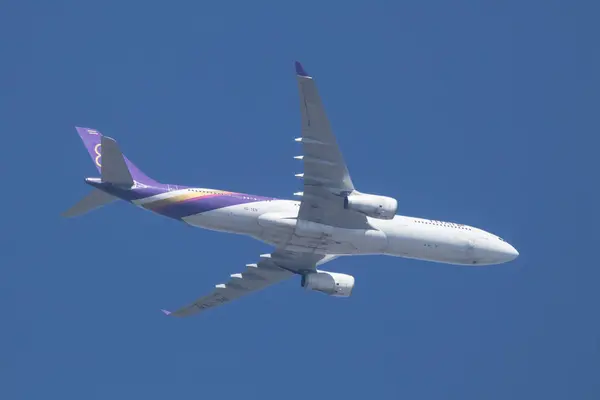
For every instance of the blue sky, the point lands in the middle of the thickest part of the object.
(479, 112)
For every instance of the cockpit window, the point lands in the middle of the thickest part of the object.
(501, 239)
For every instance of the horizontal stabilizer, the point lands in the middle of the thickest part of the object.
(114, 169)
(96, 198)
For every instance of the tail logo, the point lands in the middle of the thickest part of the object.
(97, 150)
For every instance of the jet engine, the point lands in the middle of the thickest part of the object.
(380, 207)
(331, 283)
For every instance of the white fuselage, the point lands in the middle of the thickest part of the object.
(274, 222)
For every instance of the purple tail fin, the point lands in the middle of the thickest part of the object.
(92, 140)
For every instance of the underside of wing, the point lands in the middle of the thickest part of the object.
(326, 177)
(271, 269)
(324, 164)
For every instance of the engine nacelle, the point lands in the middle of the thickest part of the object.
(380, 207)
(331, 283)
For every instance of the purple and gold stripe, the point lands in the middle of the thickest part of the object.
(181, 202)
(181, 196)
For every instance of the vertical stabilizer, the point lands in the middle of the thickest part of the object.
(93, 141)
(115, 169)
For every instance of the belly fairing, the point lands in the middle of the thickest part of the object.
(285, 230)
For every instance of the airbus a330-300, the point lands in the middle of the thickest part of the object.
(330, 219)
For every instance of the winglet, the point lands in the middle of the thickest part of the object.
(300, 69)
(166, 312)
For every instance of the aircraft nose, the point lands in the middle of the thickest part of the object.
(510, 252)
(490, 250)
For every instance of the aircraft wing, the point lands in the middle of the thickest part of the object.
(271, 269)
(326, 177)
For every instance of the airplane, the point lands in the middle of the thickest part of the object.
(330, 219)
